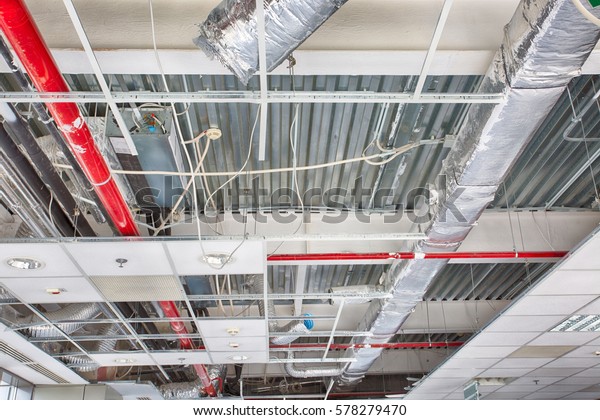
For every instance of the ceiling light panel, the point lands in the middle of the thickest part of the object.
(246, 257)
(55, 262)
(100, 258)
(579, 323)
(181, 357)
(52, 289)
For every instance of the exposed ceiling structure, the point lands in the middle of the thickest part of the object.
(398, 199)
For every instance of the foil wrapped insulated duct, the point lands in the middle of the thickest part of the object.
(313, 372)
(229, 32)
(193, 390)
(546, 43)
(293, 329)
(73, 312)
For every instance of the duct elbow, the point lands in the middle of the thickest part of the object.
(305, 373)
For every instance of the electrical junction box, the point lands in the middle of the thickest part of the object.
(155, 147)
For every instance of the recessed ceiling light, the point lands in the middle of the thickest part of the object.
(238, 358)
(579, 323)
(24, 263)
(216, 259)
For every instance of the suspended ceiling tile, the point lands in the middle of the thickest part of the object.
(567, 389)
(37, 290)
(583, 396)
(123, 359)
(484, 352)
(56, 261)
(238, 344)
(533, 379)
(469, 363)
(233, 357)
(589, 373)
(546, 395)
(580, 380)
(246, 258)
(181, 357)
(539, 351)
(502, 339)
(591, 309)
(564, 338)
(570, 282)
(585, 351)
(549, 305)
(458, 373)
(586, 258)
(138, 288)
(524, 323)
(245, 327)
(506, 373)
(99, 258)
(561, 373)
(514, 395)
(526, 362)
(520, 388)
(573, 362)
(421, 396)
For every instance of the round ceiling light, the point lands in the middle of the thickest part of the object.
(217, 260)
(24, 263)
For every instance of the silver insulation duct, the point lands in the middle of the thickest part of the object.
(73, 312)
(84, 363)
(314, 372)
(229, 32)
(192, 390)
(295, 329)
(546, 43)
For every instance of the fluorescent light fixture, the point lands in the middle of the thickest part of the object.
(579, 323)
(24, 263)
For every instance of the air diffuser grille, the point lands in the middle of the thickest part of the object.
(138, 288)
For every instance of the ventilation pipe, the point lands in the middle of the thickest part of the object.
(229, 33)
(292, 330)
(546, 43)
(318, 372)
(23, 35)
(74, 312)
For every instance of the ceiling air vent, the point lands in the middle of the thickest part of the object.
(17, 355)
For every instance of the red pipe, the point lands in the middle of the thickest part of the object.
(414, 256)
(422, 345)
(22, 33)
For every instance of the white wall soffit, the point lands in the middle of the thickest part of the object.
(571, 288)
(22, 345)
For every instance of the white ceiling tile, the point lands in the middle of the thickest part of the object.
(569, 282)
(502, 339)
(583, 396)
(455, 396)
(56, 262)
(574, 362)
(454, 363)
(591, 309)
(229, 357)
(595, 342)
(244, 344)
(589, 373)
(520, 388)
(458, 373)
(437, 385)
(484, 352)
(580, 380)
(181, 357)
(564, 388)
(248, 257)
(122, 359)
(421, 396)
(34, 290)
(546, 395)
(524, 323)
(532, 379)
(99, 258)
(562, 372)
(586, 257)
(564, 338)
(525, 362)
(549, 305)
(505, 373)
(245, 327)
(584, 351)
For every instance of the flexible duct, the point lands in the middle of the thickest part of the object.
(74, 312)
(293, 329)
(546, 43)
(192, 390)
(316, 372)
(84, 363)
(229, 32)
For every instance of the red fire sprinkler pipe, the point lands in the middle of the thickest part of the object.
(415, 256)
(23, 35)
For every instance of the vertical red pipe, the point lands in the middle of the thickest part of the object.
(23, 35)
